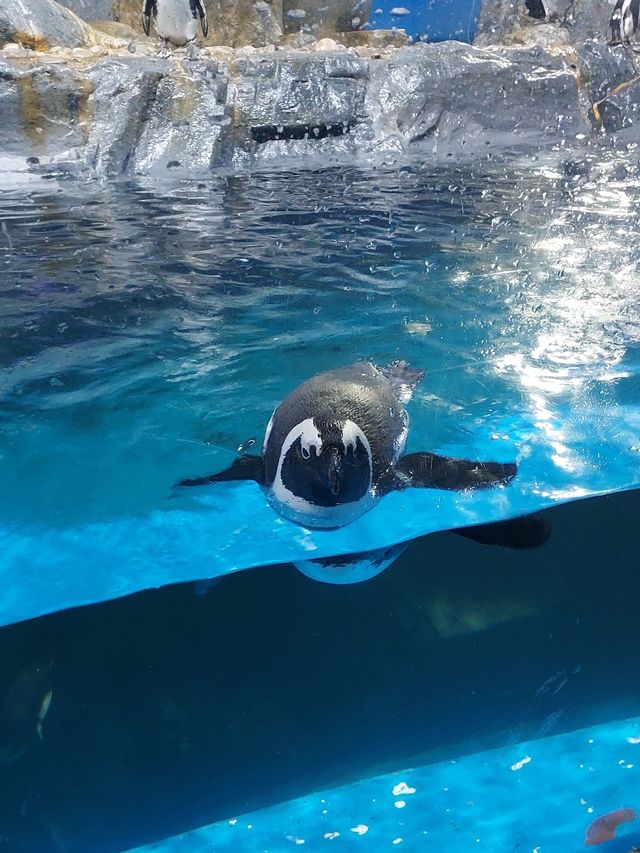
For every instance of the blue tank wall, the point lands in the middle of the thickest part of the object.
(430, 20)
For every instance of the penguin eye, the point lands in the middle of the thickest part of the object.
(305, 452)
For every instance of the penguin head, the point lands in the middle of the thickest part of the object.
(324, 474)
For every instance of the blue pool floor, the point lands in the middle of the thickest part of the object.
(537, 796)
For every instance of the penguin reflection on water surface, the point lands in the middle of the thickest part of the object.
(175, 21)
(335, 445)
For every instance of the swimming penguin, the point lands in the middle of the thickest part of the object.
(335, 445)
(175, 20)
(624, 21)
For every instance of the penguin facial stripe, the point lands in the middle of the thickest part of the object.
(351, 432)
(309, 437)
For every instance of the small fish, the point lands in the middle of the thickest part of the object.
(42, 713)
(604, 828)
(23, 708)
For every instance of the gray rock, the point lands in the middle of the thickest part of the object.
(503, 21)
(44, 109)
(123, 96)
(301, 89)
(147, 114)
(611, 85)
(497, 19)
(183, 123)
(589, 19)
(559, 8)
(41, 24)
(90, 10)
(115, 30)
(457, 98)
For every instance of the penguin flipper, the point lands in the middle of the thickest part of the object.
(242, 468)
(527, 531)
(149, 8)
(198, 10)
(430, 471)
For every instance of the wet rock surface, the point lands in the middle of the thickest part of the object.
(588, 19)
(42, 24)
(613, 85)
(458, 98)
(146, 113)
(497, 19)
(512, 21)
(114, 102)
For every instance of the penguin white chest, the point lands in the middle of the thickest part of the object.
(627, 22)
(175, 22)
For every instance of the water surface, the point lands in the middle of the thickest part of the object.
(147, 330)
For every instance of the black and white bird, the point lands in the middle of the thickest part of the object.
(624, 21)
(175, 21)
(335, 446)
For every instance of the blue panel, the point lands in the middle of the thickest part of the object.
(431, 20)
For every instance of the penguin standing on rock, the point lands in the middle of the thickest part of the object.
(624, 21)
(175, 21)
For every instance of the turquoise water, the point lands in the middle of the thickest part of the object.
(537, 796)
(148, 330)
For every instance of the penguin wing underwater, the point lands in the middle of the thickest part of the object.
(336, 443)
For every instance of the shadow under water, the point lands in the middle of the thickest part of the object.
(130, 720)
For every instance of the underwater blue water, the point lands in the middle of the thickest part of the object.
(147, 330)
(430, 20)
(538, 796)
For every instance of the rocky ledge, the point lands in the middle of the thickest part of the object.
(126, 106)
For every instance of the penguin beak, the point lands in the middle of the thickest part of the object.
(334, 470)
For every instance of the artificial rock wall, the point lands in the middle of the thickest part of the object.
(105, 99)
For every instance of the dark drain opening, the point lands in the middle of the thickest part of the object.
(272, 132)
(535, 9)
